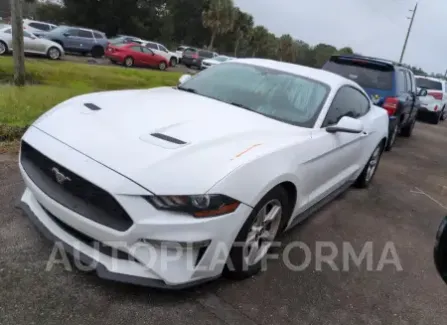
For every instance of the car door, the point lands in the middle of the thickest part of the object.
(86, 39)
(164, 52)
(71, 39)
(33, 44)
(153, 47)
(136, 52)
(6, 37)
(150, 57)
(405, 96)
(337, 157)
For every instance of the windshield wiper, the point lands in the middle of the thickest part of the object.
(190, 90)
(242, 106)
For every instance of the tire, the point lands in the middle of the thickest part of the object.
(370, 168)
(173, 62)
(392, 137)
(54, 53)
(408, 129)
(240, 264)
(188, 66)
(434, 119)
(97, 52)
(128, 62)
(443, 114)
(162, 66)
(112, 61)
(3, 48)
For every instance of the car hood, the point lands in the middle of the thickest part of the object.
(197, 141)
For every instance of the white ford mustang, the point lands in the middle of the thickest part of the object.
(173, 186)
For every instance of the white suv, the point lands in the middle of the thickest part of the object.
(160, 49)
(38, 28)
(434, 104)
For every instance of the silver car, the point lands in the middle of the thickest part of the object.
(33, 44)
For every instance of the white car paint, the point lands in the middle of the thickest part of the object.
(171, 57)
(429, 102)
(207, 63)
(32, 44)
(225, 150)
(180, 49)
(38, 28)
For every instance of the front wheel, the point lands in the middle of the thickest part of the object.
(54, 53)
(128, 62)
(3, 48)
(370, 169)
(257, 235)
(97, 52)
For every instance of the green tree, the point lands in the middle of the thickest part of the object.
(322, 53)
(259, 40)
(345, 50)
(243, 25)
(219, 18)
(286, 50)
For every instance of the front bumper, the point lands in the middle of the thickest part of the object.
(128, 258)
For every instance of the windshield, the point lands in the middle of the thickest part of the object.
(428, 83)
(366, 74)
(276, 94)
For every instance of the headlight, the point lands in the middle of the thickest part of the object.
(200, 206)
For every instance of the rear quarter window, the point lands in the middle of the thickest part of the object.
(367, 74)
(206, 54)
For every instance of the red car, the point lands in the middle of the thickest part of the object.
(135, 55)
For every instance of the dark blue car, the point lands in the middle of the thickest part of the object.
(389, 85)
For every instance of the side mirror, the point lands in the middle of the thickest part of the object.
(422, 92)
(347, 125)
(66, 34)
(184, 78)
(440, 251)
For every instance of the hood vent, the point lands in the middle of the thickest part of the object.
(91, 106)
(168, 138)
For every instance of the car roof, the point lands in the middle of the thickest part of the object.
(37, 21)
(329, 78)
(84, 28)
(429, 78)
(369, 58)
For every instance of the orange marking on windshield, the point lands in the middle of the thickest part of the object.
(247, 150)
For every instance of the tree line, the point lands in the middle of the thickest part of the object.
(215, 24)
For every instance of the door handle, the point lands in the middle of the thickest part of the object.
(364, 134)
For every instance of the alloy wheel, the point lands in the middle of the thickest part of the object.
(128, 62)
(262, 232)
(54, 53)
(2, 48)
(372, 164)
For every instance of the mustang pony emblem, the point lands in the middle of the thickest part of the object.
(60, 178)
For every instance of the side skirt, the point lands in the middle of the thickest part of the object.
(320, 204)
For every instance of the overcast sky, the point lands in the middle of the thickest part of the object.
(370, 27)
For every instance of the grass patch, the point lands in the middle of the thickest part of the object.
(53, 82)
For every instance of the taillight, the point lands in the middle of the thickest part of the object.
(436, 95)
(436, 108)
(390, 105)
(195, 56)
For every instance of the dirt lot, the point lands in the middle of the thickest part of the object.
(404, 205)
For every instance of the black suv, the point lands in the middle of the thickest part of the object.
(193, 57)
(389, 85)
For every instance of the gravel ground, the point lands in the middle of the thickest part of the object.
(404, 205)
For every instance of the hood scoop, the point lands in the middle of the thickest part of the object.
(92, 107)
(163, 140)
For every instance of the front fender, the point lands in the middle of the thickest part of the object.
(250, 182)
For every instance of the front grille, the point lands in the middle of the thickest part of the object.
(75, 193)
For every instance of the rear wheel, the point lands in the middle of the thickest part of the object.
(173, 62)
(392, 137)
(97, 52)
(3, 48)
(188, 66)
(162, 66)
(435, 117)
(54, 53)
(128, 62)
(257, 235)
(370, 169)
(443, 114)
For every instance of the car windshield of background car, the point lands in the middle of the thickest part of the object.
(276, 94)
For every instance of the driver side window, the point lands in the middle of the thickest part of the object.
(347, 102)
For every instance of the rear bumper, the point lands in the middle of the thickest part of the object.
(113, 57)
